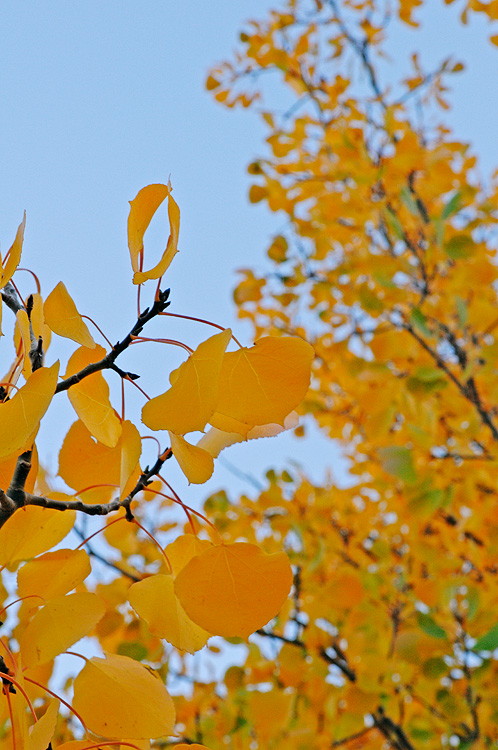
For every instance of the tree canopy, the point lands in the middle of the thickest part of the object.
(368, 612)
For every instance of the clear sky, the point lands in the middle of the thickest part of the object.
(99, 99)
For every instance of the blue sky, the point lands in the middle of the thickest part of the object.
(99, 99)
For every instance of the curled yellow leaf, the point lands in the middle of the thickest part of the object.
(63, 318)
(191, 401)
(21, 415)
(196, 463)
(142, 209)
(118, 697)
(234, 589)
(13, 256)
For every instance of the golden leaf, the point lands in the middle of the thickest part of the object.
(196, 463)
(41, 733)
(183, 549)
(32, 530)
(64, 319)
(234, 589)
(13, 255)
(53, 574)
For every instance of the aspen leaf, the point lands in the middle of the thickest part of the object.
(21, 415)
(33, 530)
(191, 401)
(234, 589)
(59, 624)
(118, 697)
(196, 463)
(41, 733)
(142, 209)
(155, 601)
(263, 384)
(130, 445)
(84, 462)
(53, 574)
(90, 397)
(64, 319)
(22, 336)
(183, 549)
(13, 255)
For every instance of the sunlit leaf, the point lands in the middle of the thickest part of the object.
(64, 319)
(196, 463)
(214, 441)
(263, 384)
(130, 445)
(118, 697)
(155, 601)
(32, 530)
(191, 401)
(234, 589)
(21, 415)
(90, 397)
(53, 574)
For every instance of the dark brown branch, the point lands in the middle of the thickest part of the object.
(108, 361)
(393, 733)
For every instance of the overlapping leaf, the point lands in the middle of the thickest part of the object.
(118, 697)
(234, 589)
(155, 601)
(53, 574)
(191, 401)
(62, 316)
(59, 624)
(31, 531)
(196, 463)
(183, 549)
(41, 733)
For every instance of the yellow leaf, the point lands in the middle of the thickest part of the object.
(90, 397)
(264, 384)
(41, 733)
(53, 574)
(196, 463)
(143, 208)
(183, 746)
(64, 319)
(118, 697)
(234, 589)
(183, 549)
(214, 441)
(33, 530)
(21, 415)
(59, 624)
(22, 337)
(155, 601)
(191, 401)
(13, 255)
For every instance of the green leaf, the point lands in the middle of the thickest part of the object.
(461, 310)
(460, 246)
(488, 641)
(418, 320)
(430, 626)
(434, 667)
(453, 206)
(398, 461)
(409, 201)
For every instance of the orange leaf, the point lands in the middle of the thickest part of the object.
(263, 384)
(196, 463)
(234, 589)
(64, 319)
(190, 402)
(118, 697)
(13, 256)
(21, 415)
(155, 601)
(32, 530)
(59, 624)
(90, 397)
